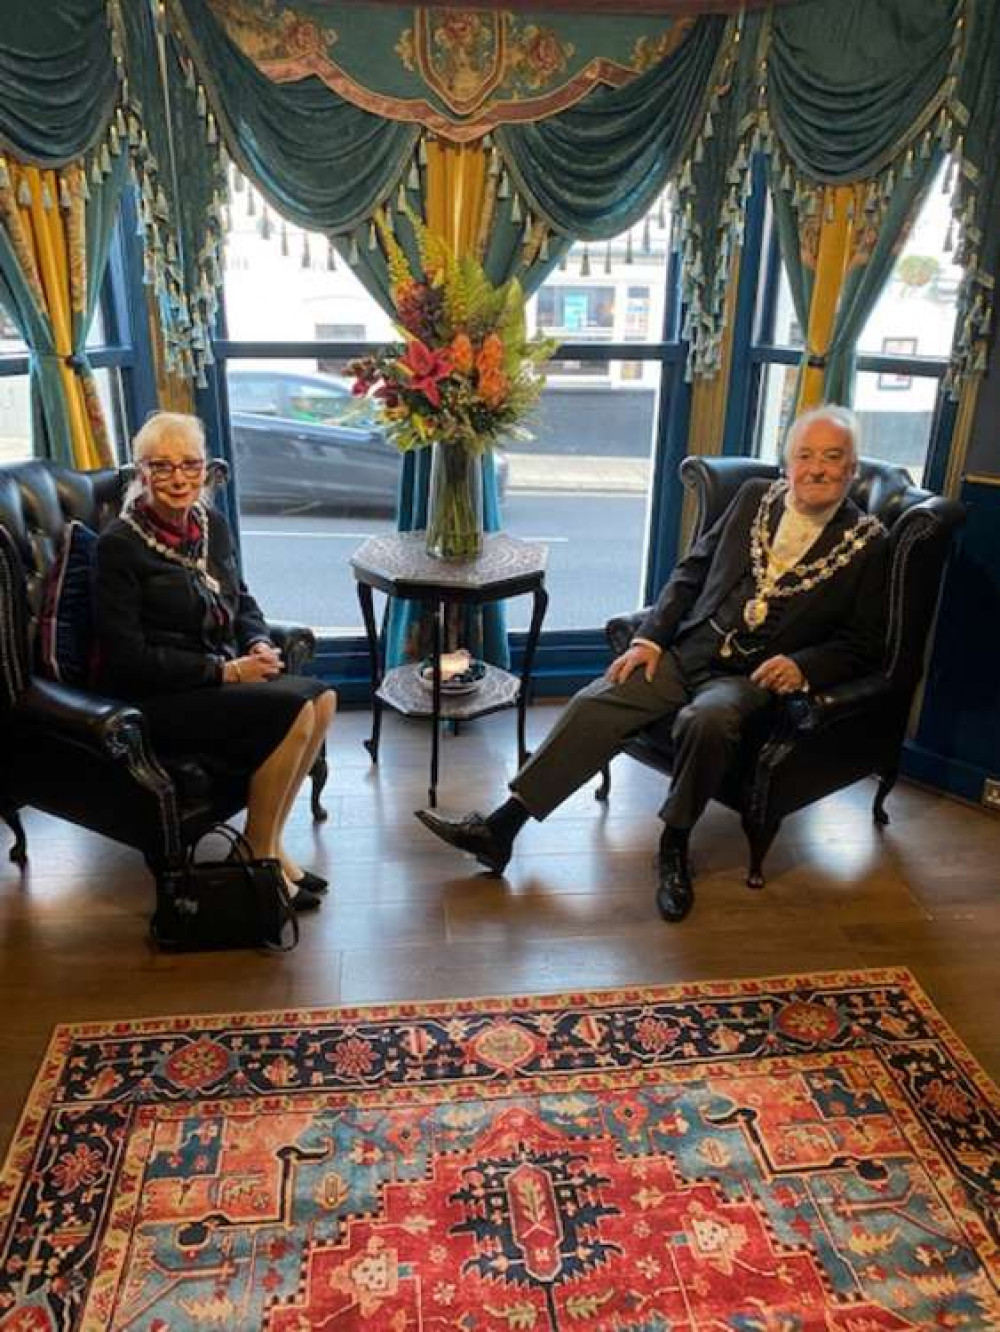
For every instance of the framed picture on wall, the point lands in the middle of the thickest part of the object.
(897, 347)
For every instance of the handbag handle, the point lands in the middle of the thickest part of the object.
(241, 851)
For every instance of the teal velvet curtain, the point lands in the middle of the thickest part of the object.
(58, 82)
(851, 84)
(322, 162)
(181, 183)
(875, 244)
(52, 432)
(594, 170)
(50, 426)
(879, 93)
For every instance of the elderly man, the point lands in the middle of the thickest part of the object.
(785, 593)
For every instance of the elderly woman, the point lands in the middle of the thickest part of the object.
(182, 637)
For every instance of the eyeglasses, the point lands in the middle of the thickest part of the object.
(162, 470)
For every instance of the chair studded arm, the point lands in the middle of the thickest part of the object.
(808, 713)
(296, 643)
(110, 730)
(621, 629)
(108, 726)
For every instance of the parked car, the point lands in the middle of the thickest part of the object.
(303, 441)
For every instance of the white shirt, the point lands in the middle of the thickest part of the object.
(797, 531)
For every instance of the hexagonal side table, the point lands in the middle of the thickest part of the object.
(399, 566)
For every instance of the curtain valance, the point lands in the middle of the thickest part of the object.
(851, 86)
(458, 73)
(324, 162)
(58, 79)
(855, 93)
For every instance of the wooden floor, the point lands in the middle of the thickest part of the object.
(410, 919)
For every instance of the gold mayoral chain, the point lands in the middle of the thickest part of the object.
(766, 571)
(196, 563)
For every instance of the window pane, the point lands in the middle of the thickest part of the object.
(775, 409)
(15, 418)
(315, 475)
(310, 490)
(11, 342)
(915, 315)
(611, 292)
(281, 290)
(15, 413)
(787, 329)
(582, 485)
(109, 390)
(896, 413)
(96, 336)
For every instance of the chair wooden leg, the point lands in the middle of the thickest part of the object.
(760, 837)
(602, 791)
(19, 851)
(318, 775)
(887, 780)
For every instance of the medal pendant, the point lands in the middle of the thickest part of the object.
(755, 612)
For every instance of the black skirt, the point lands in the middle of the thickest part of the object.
(230, 728)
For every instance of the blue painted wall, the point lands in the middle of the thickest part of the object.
(957, 742)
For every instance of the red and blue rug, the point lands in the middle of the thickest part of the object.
(809, 1154)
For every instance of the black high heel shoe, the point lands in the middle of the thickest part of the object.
(304, 900)
(312, 883)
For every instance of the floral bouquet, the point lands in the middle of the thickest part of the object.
(466, 375)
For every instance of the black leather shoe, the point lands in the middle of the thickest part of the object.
(675, 891)
(313, 883)
(471, 833)
(304, 900)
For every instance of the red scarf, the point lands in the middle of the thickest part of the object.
(186, 538)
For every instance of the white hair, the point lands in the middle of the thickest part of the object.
(156, 426)
(842, 417)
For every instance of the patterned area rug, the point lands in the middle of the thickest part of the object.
(809, 1154)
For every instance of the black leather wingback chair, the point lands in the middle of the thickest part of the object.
(72, 753)
(809, 745)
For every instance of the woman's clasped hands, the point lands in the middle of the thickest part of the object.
(262, 661)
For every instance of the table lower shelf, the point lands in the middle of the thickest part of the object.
(402, 689)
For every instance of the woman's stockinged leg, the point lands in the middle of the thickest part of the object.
(323, 709)
(269, 785)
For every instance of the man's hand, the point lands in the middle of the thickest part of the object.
(779, 674)
(645, 655)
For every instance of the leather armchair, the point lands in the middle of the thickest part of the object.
(75, 754)
(810, 745)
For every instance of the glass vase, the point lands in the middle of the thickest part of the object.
(455, 503)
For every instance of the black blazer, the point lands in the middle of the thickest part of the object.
(156, 623)
(833, 632)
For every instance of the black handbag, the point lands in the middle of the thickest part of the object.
(239, 902)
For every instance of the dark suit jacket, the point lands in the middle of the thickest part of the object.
(834, 631)
(156, 625)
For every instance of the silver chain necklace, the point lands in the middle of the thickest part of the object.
(196, 563)
(807, 576)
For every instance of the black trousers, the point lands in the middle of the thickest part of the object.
(709, 705)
